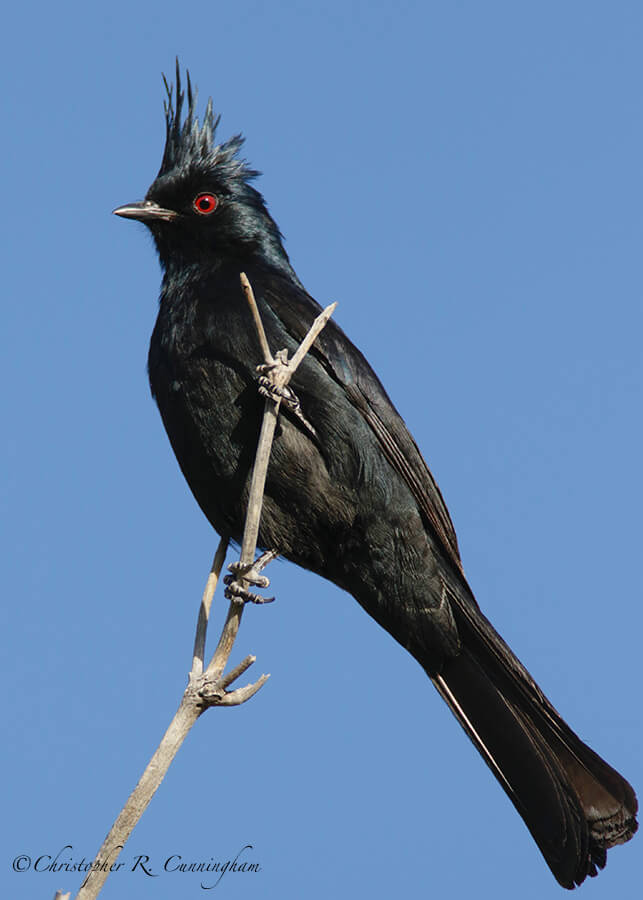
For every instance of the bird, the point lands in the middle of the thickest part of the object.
(348, 494)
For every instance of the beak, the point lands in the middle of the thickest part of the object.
(145, 211)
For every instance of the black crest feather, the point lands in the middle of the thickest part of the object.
(190, 143)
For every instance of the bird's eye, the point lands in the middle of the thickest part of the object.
(205, 204)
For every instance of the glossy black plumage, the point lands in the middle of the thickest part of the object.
(355, 502)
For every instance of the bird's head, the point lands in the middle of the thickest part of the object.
(201, 207)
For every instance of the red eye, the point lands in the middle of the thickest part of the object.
(205, 204)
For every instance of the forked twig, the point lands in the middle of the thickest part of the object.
(210, 688)
(283, 371)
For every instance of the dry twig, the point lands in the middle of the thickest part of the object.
(210, 687)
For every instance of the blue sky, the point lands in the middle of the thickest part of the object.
(464, 178)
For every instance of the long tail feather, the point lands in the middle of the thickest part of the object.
(574, 804)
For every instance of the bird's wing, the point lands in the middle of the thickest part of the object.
(349, 368)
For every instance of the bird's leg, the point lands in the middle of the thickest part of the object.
(271, 386)
(243, 575)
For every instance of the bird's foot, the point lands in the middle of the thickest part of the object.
(243, 575)
(271, 387)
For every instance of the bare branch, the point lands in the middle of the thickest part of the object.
(281, 371)
(252, 303)
(309, 340)
(138, 801)
(204, 610)
(238, 671)
(241, 695)
(210, 688)
(226, 641)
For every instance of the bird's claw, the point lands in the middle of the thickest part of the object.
(271, 389)
(243, 575)
(236, 591)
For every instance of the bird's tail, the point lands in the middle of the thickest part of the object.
(575, 805)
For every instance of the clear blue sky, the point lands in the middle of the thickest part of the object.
(465, 179)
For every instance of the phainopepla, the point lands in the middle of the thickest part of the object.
(351, 497)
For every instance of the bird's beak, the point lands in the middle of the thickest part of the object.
(145, 211)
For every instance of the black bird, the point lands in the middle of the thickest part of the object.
(350, 498)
